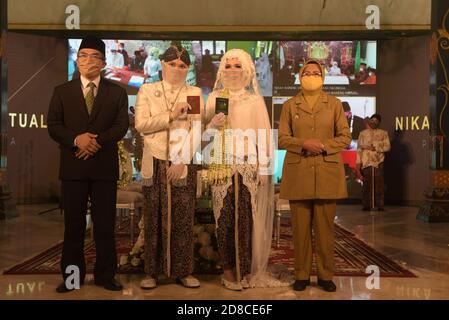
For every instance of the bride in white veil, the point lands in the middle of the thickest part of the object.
(247, 110)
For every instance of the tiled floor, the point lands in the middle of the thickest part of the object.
(419, 246)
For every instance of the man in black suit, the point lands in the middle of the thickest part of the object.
(87, 117)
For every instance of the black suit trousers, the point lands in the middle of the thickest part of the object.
(102, 195)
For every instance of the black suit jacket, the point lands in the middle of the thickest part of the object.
(68, 117)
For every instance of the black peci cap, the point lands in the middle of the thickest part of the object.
(92, 42)
(377, 116)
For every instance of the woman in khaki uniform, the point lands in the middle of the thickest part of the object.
(313, 129)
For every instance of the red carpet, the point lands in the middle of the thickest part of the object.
(352, 256)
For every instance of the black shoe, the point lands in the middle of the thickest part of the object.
(366, 209)
(111, 285)
(381, 209)
(300, 285)
(327, 285)
(62, 288)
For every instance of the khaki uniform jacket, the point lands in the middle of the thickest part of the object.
(313, 177)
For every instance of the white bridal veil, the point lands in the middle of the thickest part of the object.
(263, 214)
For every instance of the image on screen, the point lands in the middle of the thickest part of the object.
(350, 66)
(132, 63)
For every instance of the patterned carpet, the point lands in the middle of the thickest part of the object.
(352, 256)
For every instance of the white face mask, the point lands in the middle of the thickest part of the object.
(174, 75)
(237, 72)
(233, 79)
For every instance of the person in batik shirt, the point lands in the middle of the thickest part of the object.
(372, 145)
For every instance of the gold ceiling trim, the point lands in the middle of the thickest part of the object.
(215, 28)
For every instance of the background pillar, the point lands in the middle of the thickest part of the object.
(436, 207)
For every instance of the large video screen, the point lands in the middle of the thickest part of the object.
(350, 68)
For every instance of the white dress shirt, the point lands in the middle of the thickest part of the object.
(85, 82)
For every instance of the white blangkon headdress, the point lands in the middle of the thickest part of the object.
(249, 81)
